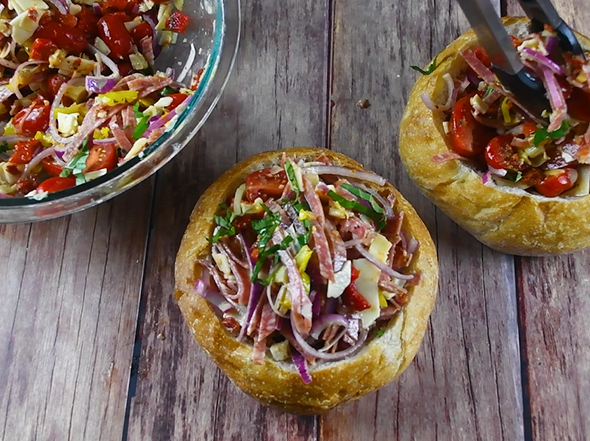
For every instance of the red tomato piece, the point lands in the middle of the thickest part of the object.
(500, 154)
(578, 105)
(177, 22)
(25, 185)
(125, 68)
(141, 31)
(51, 167)
(528, 129)
(119, 5)
(88, 21)
(264, 184)
(55, 81)
(101, 156)
(32, 119)
(554, 185)
(352, 298)
(24, 151)
(117, 37)
(468, 136)
(42, 49)
(70, 39)
(177, 99)
(57, 183)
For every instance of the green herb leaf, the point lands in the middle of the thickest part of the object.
(304, 238)
(80, 179)
(138, 113)
(77, 163)
(4, 147)
(266, 254)
(168, 91)
(488, 91)
(292, 177)
(225, 223)
(141, 127)
(379, 332)
(265, 227)
(365, 196)
(429, 69)
(65, 173)
(378, 218)
(542, 134)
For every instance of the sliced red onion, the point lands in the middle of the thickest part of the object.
(255, 294)
(14, 80)
(412, 245)
(556, 99)
(61, 6)
(542, 60)
(353, 242)
(343, 171)
(383, 267)
(5, 196)
(104, 140)
(551, 44)
(154, 125)
(386, 205)
(106, 60)
(428, 102)
(8, 64)
(301, 365)
(451, 97)
(334, 356)
(498, 171)
(326, 320)
(272, 302)
(100, 84)
(486, 179)
(170, 72)
(97, 9)
(36, 160)
(10, 139)
(478, 67)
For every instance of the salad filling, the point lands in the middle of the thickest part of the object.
(78, 91)
(308, 262)
(495, 134)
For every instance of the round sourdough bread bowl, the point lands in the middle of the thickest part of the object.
(278, 384)
(506, 219)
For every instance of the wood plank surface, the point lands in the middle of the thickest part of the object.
(554, 311)
(275, 98)
(68, 318)
(465, 381)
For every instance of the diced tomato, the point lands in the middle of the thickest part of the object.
(528, 129)
(141, 31)
(177, 22)
(117, 37)
(177, 99)
(55, 81)
(101, 156)
(264, 184)
(42, 49)
(483, 56)
(352, 298)
(354, 273)
(70, 39)
(26, 185)
(51, 167)
(88, 22)
(57, 183)
(68, 20)
(24, 151)
(125, 68)
(119, 5)
(32, 119)
(500, 154)
(578, 105)
(554, 185)
(468, 136)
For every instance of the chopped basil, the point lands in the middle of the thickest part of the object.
(292, 178)
(265, 227)
(262, 256)
(429, 69)
(138, 113)
(77, 164)
(304, 238)
(378, 218)
(542, 134)
(141, 127)
(379, 332)
(168, 91)
(363, 195)
(4, 147)
(225, 224)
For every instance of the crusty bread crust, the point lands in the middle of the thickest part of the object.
(278, 384)
(508, 220)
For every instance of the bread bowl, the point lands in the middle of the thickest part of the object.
(506, 218)
(381, 348)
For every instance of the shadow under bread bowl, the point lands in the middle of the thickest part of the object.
(506, 218)
(273, 370)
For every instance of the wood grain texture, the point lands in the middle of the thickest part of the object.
(554, 310)
(469, 357)
(277, 97)
(68, 320)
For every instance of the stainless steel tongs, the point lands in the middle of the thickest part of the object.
(506, 63)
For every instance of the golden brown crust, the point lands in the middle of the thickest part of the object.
(508, 220)
(279, 384)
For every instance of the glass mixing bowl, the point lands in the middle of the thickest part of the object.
(211, 44)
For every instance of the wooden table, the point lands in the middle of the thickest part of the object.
(92, 344)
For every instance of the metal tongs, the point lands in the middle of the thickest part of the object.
(506, 63)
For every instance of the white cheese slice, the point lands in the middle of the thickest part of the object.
(366, 284)
(21, 6)
(24, 26)
(67, 123)
(380, 247)
(341, 280)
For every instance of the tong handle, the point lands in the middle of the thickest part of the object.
(543, 12)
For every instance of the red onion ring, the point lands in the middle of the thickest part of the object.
(343, 171)
(383, 267)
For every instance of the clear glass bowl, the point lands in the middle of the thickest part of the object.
(213, 42)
